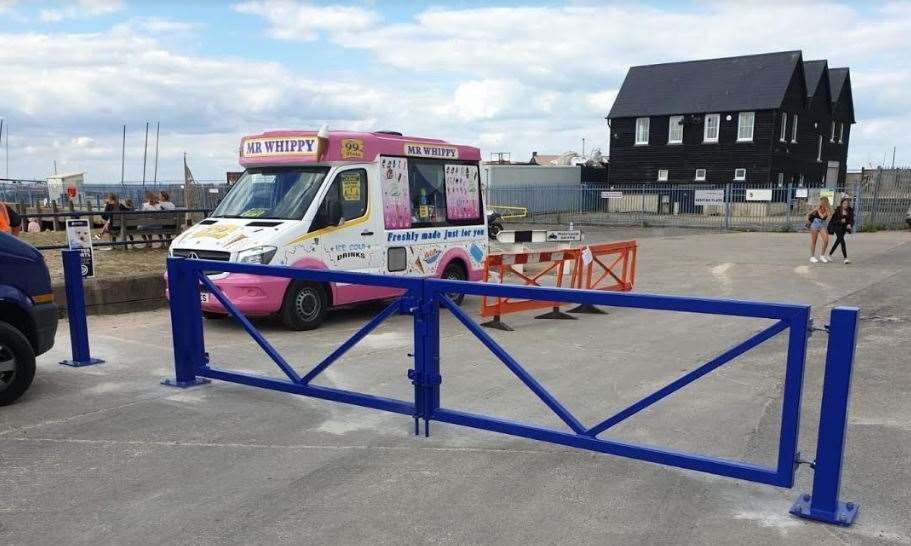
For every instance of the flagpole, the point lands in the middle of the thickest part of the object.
(157, 131)
(145, 151)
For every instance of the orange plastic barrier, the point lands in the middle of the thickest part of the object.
(503, 265)
(609, 266)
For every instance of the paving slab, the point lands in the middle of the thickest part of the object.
(105, 454)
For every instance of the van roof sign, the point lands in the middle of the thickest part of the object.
(302, 147)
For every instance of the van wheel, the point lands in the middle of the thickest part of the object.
(455, 272)
(305, 306)
(17, 364)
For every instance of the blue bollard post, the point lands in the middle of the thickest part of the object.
(75, 311)
(823, 504)
(186, 326)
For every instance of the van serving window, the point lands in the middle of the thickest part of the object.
(444, 193)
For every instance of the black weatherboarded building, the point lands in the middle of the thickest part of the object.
(756, 120)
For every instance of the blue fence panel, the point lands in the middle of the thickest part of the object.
(423, 299)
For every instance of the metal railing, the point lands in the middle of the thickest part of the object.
(878, 204)
(57, 219)
(423, 298)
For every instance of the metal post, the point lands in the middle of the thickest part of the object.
(790, 202)
(75, 311)
(823, 504)
(186, 326)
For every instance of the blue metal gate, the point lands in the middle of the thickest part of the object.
(423, 299)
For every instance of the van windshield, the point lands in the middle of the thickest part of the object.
(272, 192)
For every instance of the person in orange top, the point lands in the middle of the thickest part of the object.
(10, 222)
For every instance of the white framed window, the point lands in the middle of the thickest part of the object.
(675, 130)
(710, 132)
(794, 130)
(841, 133)
(832, 138)
(662, 175)
(784, 126)
(780, 179)
(740, 174)
(700, 175)
(745, 122)
(641, 131)
(819, 150)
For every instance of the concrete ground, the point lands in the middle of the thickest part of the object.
(107, 455)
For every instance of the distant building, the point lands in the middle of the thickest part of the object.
(756, 119)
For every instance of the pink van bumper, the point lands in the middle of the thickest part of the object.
(253, 295)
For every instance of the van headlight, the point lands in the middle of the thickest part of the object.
(256, 255)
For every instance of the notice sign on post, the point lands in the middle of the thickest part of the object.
(79, 237)
(709, 197)
(612, 195)
(563, 236)
(759, 195)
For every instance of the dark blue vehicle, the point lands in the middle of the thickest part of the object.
(28, 315)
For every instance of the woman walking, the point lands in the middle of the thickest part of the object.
(842, 222)
(816, 221)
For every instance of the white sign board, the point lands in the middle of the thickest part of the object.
(79, 237)
(709, 197)
(759, 195)
(564, 235)
(612, 195)
(801, 193)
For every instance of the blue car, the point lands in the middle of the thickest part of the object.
(28, 315)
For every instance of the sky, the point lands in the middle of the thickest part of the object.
(507, 76)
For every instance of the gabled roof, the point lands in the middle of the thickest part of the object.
(812, 73)
(840, 84)
(749, 82)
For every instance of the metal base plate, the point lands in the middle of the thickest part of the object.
(81, 363)
(844, 514)
(168, 382)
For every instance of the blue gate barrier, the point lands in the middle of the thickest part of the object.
(423, 299)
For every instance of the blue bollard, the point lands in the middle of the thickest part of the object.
(75, 311)
(823, 504)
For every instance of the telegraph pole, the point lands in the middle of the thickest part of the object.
(145, 152)
(123, 152)
(157, 132)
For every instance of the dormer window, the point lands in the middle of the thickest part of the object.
(641, 131)
(745, 123)
(710, 133)
(675, 130)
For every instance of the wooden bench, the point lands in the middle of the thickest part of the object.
(165, 224)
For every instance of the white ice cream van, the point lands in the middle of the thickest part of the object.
(371, 202)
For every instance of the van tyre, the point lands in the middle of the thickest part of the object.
(305, 306)
(493, 229)
(17, 364)
(455, 272)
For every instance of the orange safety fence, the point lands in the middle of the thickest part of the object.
(609, 267)
(503, 266)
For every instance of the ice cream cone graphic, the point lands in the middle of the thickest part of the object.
(322, 142)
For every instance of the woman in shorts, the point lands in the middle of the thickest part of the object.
(816, 221)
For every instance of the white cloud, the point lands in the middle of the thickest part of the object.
(304, 21)
(160, 25)
(80, 9)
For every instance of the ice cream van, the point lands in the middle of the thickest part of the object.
(374, 202)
